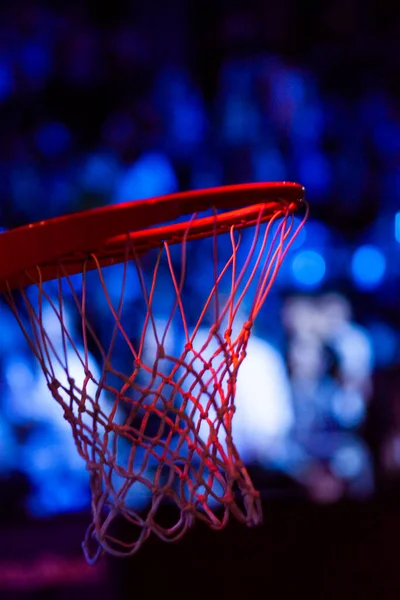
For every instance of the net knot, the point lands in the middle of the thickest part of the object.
(226, 409)
(247, 326)
(192, 446)
(168, 379)
(54, 385)
(227, 334)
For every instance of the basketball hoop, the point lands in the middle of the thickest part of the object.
(163, 422)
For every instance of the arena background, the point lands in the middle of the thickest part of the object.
(102, 104)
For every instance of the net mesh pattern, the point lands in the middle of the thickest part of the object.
(143, 359)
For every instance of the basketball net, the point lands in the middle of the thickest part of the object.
(157, 422)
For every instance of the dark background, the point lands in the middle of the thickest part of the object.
(100, 104)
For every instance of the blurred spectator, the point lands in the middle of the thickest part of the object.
(330, 363)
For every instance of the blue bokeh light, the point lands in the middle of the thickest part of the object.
(317, 234)
(368, 266)
(36, 60)
(269, 164)
(397, 227)
(308, 268)
(6, 81)
(385, 341)
(53, 139)
(151, 175)
(100, 173)
(315, 172)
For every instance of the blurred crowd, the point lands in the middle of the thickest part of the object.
(101, 106)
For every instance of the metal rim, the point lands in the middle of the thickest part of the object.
(69, 238)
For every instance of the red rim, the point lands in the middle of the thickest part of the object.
(69, 238)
